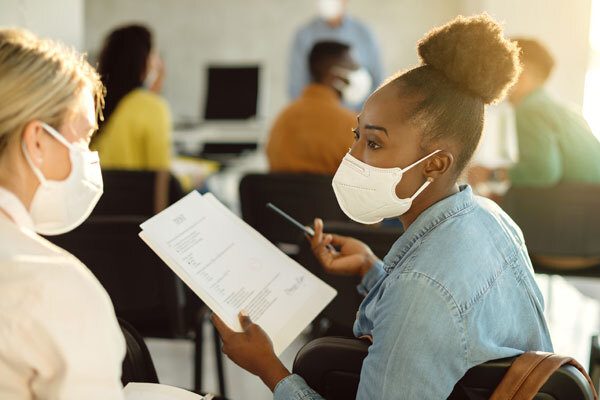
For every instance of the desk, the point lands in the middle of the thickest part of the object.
(191, 141)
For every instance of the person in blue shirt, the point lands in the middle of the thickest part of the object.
(334, 24)
(457, 288)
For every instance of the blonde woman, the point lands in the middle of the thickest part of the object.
(59, 338)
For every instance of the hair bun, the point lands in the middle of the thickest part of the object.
(473, 53)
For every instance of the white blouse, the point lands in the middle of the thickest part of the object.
(59, 337)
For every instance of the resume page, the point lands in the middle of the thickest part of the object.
(233, 268)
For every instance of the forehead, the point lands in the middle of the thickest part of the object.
(387, 107)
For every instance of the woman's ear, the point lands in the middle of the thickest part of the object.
(438, 164)
(32, 137)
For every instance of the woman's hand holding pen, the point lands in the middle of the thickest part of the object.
(353, 257)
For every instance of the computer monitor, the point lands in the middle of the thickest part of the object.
(231, 92)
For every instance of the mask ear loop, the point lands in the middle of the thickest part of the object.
(36, 171)
(423, 187)
(422, 159)
(56, 135)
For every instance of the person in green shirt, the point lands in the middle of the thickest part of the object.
(555, 142)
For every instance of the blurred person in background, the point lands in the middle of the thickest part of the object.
(555, 142)
(59, 337)
(333, 23)
(136, 132)
(497, 152)
(313, 133)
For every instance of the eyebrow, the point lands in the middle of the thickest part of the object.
(377, 128)
(373, 127)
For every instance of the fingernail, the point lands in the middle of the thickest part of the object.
(243, 313)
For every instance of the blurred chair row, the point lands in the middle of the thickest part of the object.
(561, 226)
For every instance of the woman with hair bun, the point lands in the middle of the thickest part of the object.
(457, 288)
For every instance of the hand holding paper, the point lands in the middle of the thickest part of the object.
(231, 267)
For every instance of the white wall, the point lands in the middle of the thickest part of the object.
(192, 33)
(563, 26)
(57, 19)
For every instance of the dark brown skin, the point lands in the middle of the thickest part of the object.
(396, 144)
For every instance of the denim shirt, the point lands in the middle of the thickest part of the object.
(455, 290)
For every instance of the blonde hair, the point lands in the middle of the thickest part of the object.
(40, 80)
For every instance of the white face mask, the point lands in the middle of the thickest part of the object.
(358, 87)
(367, 194)
(330, 9)
(61, 206)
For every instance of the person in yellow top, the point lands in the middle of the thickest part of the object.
(136, 132)
(313, 133)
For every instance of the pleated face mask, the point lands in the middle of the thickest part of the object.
(367, 194)
(61, 206)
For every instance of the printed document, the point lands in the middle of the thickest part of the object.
(154, 391)
(233, 268)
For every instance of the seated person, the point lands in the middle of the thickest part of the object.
(313, 134)
(555, 142)
(496, 153)
(59, 337)
(457, 288)
(136, 132)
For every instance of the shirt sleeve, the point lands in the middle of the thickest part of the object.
(540, 161)
(158, 136)
(419, 347)
(375, 66)
(73, 342)
(298, 66)
(294, 387)
(371, 278)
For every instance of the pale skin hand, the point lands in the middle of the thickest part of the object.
(252, 349)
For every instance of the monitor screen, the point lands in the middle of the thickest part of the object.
(232, 92)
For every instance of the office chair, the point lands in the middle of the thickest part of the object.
(143, 290)
(338, 317)
(137, 365)
(303, 196)
(561, 226)
(331, 366)
(131, 192)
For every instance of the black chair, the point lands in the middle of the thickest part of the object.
(144, 291)
(338, 317)
(331, 366)
(131, 192)
(137, 365)
(303, 196)
(561, 226)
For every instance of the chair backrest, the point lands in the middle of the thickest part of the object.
(558, 221)
(131, 192)
(341, 312)
(143, 290)
(303, 196)
(137, 365)
(331, 366)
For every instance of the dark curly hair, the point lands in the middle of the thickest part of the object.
(465, 64)
(122, 63)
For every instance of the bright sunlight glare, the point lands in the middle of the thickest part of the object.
(591, 98)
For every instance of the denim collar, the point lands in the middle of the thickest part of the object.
(428, 221)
